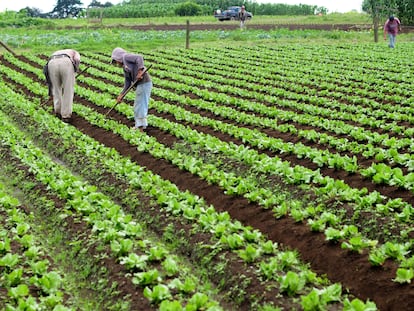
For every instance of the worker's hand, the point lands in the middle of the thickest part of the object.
(119, 98)
(140, 75)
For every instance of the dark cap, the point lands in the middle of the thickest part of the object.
(391, 17)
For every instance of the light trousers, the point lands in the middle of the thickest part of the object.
(141, 104)
(62, 77)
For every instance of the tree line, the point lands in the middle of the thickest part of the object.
(378, 9)
(165, 8)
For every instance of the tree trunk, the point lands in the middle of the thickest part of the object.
(376, 27)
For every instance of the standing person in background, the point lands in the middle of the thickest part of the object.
(133, 66)
(242, 16)
(391, 27)
(60, 75)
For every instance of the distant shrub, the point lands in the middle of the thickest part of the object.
(188, 9)
(24, 22)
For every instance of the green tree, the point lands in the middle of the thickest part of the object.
(321, 10)
(379, 9)
(32, 12)
(97, 4)
(67, 8)
(406, 11)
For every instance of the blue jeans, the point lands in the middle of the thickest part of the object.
(392, 40)
(141, 103)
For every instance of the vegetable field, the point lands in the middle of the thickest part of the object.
(271, 178)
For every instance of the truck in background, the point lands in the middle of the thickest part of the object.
(231, 14)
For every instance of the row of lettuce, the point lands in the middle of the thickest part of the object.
(389, 153)
(24, 268)
(388, 150)
(127, 238)
(166, 286)
(396, 212)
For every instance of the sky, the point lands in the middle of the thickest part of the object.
(46, 6)
(340, 6)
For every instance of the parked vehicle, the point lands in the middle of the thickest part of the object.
(232, 13)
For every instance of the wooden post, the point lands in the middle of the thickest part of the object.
(94, 19)
(376, 27)
(187, 37)
(101, 15)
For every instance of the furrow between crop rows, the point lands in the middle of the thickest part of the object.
(306, 177)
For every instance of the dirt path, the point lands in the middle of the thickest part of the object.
(232, 25)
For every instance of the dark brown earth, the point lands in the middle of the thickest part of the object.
(350, 269)
(231, 25)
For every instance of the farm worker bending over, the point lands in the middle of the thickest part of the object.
(60, 75)
(392, 26)
(133, 65)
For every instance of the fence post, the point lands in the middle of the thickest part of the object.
(187, 37)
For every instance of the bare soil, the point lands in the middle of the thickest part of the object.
(231, 25)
